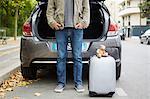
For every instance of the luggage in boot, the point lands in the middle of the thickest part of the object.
(102, 76)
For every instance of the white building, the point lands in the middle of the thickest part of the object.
(129, 14)
(113, 8)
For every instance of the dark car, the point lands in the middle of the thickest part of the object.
(145, 37)
(38, 43)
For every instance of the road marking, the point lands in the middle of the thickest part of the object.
(8, 52)
(121, 92)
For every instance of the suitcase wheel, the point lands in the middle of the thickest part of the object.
(94, 94)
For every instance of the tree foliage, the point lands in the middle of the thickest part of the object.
(7, 7)
(145, 8)
(8, 12)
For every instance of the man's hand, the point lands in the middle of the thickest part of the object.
(79, 26)
(55, 26)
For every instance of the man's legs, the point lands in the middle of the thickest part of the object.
(77, 38)
(61, 39)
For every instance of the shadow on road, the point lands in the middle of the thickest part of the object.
(49, 73)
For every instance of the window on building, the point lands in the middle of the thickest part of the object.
(123, 5)
(128, 3)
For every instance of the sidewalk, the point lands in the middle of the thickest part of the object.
(11, 43)
(9, 58)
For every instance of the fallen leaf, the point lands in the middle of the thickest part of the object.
(27, 86)
(2, 90)
(23, 83)
(9, 89)
(16, 97)
(15, 79)
(37, 94)
(4, 86)
(2, 94)
(11, 84)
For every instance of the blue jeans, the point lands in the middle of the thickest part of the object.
(76, 37)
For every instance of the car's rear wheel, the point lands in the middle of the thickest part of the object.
(29, 72)
(123, 37)
(118, 72)
(148, 43)
(141, 42)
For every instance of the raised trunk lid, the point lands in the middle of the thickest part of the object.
(98, 28)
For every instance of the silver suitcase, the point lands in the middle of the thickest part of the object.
(102, 76)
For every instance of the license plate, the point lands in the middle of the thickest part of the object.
(85, 46)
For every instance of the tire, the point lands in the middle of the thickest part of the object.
(29, 72)
(118, 72)
(123, 38)
(94, 94)
(147, 42)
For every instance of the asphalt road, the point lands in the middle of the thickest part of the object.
(133, 84)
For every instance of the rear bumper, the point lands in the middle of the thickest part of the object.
(34, 51)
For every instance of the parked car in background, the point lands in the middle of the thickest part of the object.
(122, 34)
(38, 43)
(145, 37)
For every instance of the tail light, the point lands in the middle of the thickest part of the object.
(27, 29)
(112, 29)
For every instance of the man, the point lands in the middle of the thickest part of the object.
(68, 18)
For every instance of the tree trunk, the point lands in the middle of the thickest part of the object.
(16, 23)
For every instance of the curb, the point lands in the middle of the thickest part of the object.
(7, 74)
(9, 47)
(12, 38)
